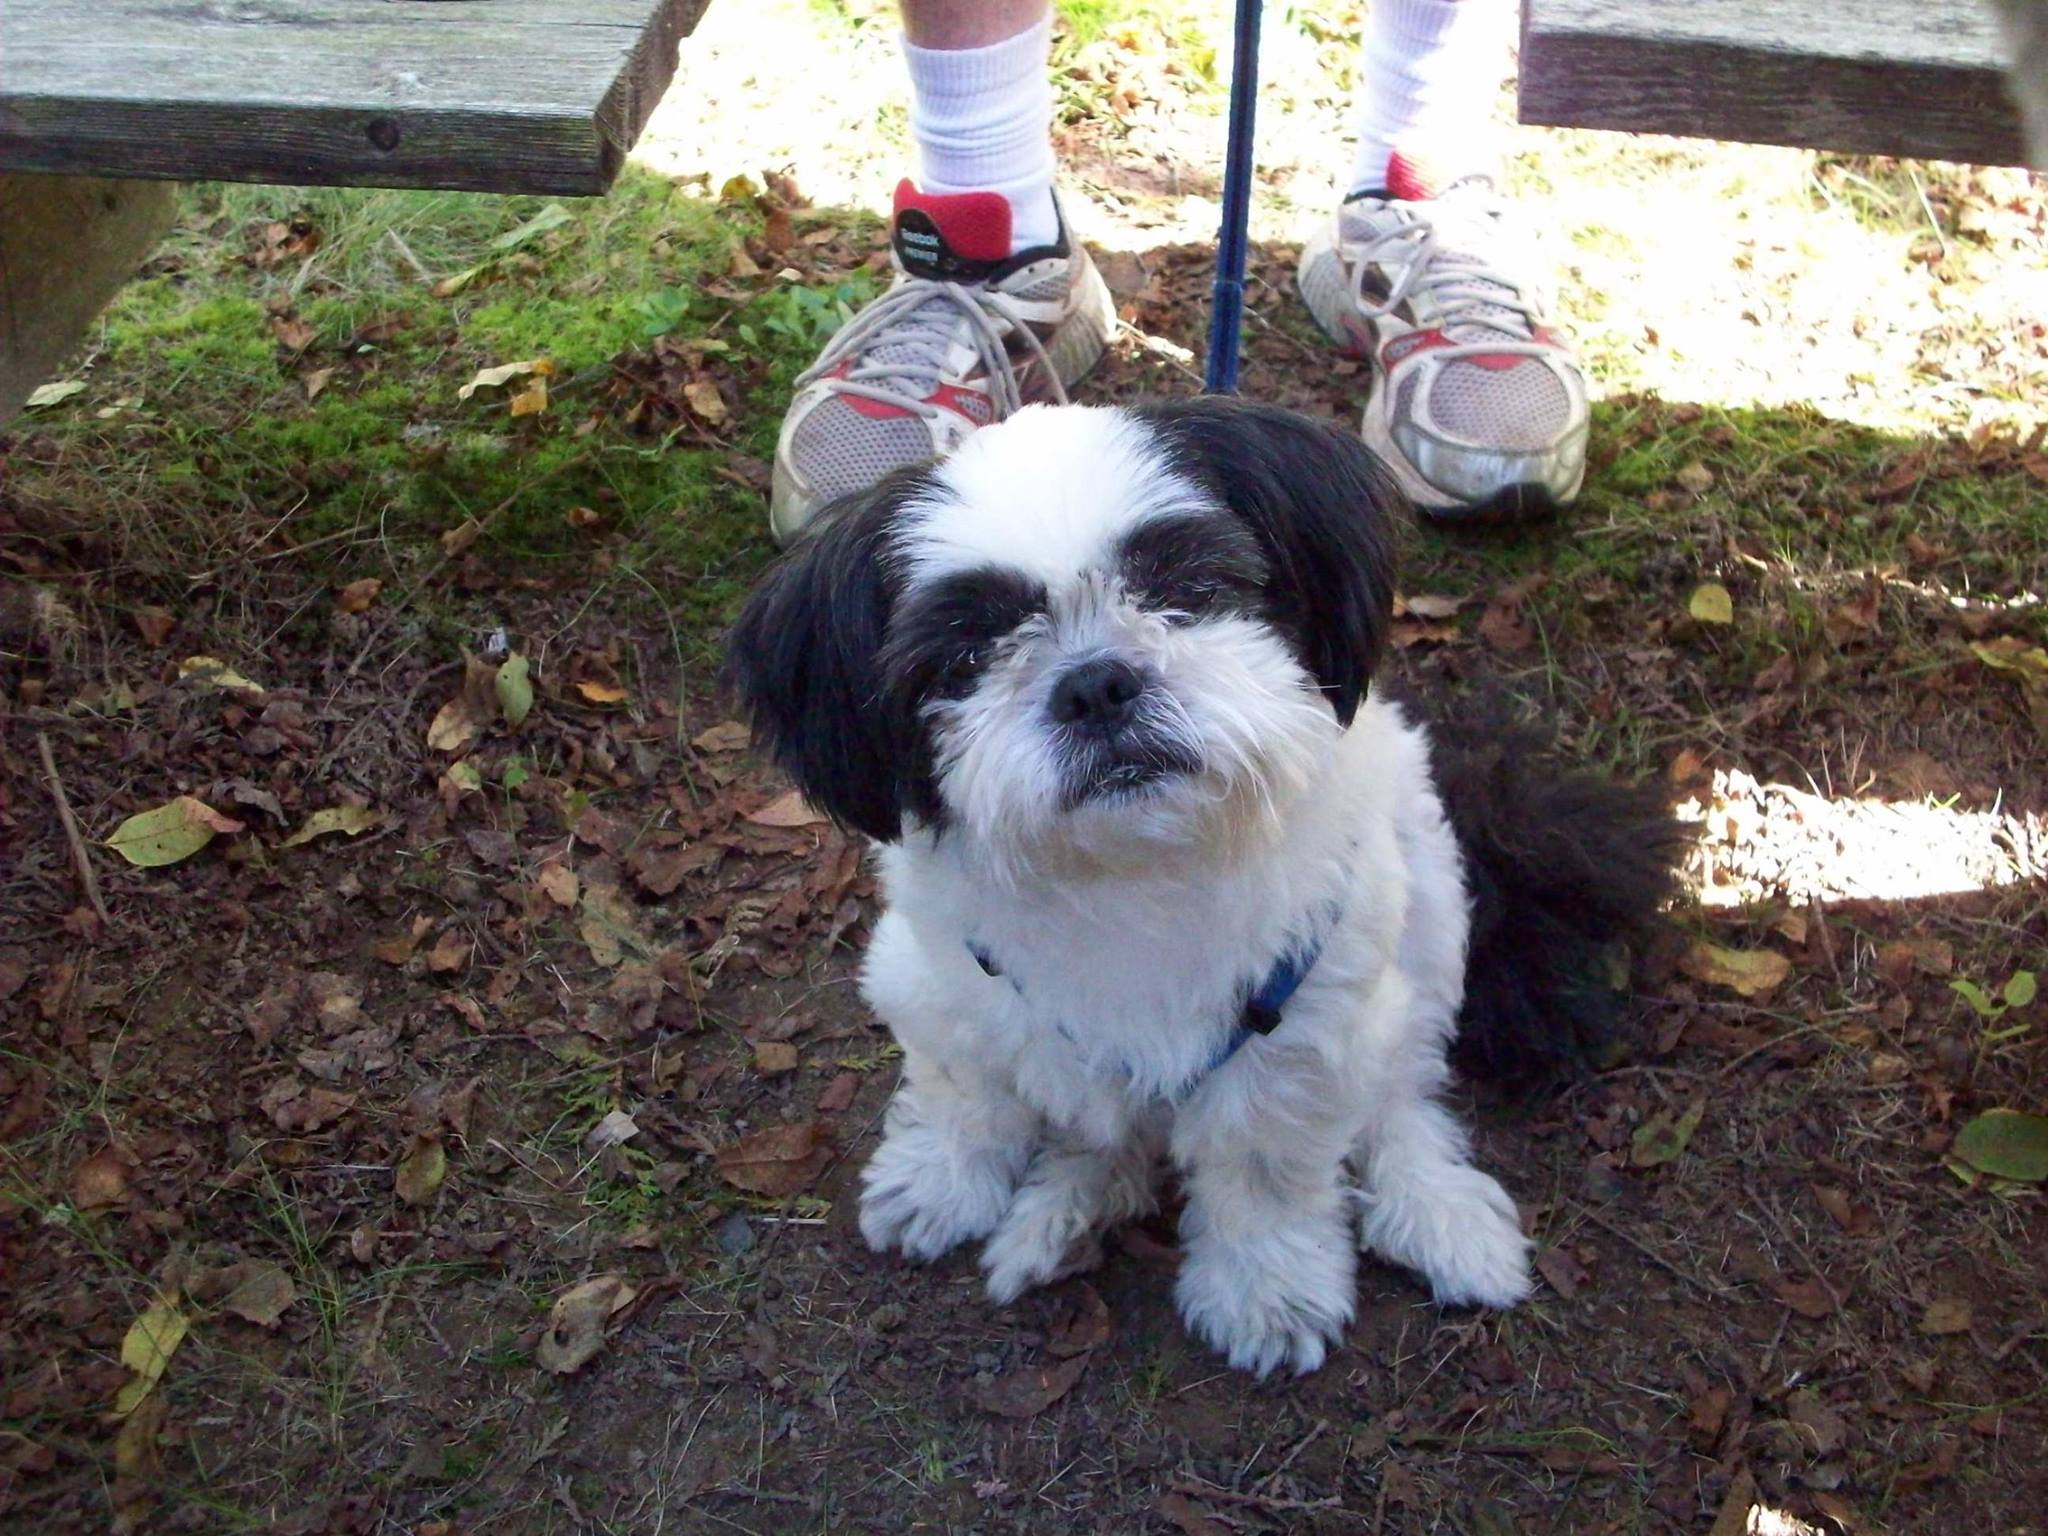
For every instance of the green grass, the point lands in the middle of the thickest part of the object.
(201, 447)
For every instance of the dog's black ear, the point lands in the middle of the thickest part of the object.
(1325, 511)
(803, 660)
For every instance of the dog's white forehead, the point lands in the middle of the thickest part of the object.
(1049, 493)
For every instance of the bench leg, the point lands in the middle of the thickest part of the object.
(66, 244)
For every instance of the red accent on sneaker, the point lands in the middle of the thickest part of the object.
(867, 405)
(1409, 181)
(975, 224)
(970, 403)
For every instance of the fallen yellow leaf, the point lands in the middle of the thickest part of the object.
(147, 1349)
(505, 373)
(353, 820)
(212, 672)
(1711, 604)
(1750, 972)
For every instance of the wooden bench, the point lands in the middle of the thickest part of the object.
(106, 104)
(1925, 78)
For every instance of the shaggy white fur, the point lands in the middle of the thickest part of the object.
(1125, 928)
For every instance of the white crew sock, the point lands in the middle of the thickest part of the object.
(1426, 87)
(982, 118)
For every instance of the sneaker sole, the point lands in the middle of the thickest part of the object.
(1521, 502)
(1074, 349)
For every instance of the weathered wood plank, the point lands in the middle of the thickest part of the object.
(481, 95)
(66, 243)
(1894, 77)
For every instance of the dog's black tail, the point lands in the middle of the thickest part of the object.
(1564, 868)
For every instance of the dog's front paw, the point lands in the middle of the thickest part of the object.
(1276, 1299)
(1459, 1228)
(925, 1196)
(1047, 1234)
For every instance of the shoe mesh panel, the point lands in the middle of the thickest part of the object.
(837, 450)
(1523, 407)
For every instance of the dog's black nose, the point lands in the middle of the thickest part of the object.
(1098, 694)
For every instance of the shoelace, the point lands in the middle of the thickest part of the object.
(920, 315)
(1460, 287)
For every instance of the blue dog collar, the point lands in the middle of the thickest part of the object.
(1263, 1005)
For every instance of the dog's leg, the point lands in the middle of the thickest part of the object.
(1269, 1270)
(954, 1144)
(1072, 1195)
(1428, 1208)
(957, 1138)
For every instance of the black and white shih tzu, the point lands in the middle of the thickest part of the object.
(1168, 880)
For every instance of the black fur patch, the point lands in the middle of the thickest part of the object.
(805, 660)
(941, 639)
(1324, 512)
(1561, 865)
(1194, 565)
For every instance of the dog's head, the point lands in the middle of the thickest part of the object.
(1087, 629)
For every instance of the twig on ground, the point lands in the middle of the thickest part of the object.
(1718, 1292)
(1196, 1490)
(71, 832)
(1288, 1460)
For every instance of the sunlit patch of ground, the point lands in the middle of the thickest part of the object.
(1765, 842)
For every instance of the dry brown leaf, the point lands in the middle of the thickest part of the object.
(778, 1160)
(154, 625)
(839, 1093)
(255, 1290)
(558, 883)
(450, 952)
(292, 332)
(358, 595)
(705, 401)
(1564, 1274)
(787, 810)
(772, 1058)
(455, 727)
(1804, 1294)
(1030, 1391)
(726, 736)
(315, 383)
(297, 1109)
(607, 923)
(456, 541)
(1854, 620)
(576, 1325)
(422, 1170)
(1506, 626)
(601, 693)
(1695, 477)
(1082, 1323)
(99, 1181)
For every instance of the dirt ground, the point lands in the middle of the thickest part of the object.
(485, 1160)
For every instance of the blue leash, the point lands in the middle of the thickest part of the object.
(1226, 307)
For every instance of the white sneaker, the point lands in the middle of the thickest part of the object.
(1476, 405)
(965, 336)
